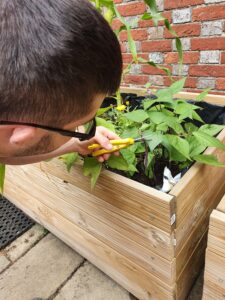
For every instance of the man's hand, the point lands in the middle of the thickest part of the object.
(102, 137)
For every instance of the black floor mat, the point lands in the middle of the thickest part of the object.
(13, 222)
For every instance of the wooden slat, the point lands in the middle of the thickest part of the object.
(191, 269)
(216, 236)
(184, 251)
(221, 205)
(146, 203)
(211, 294)
(215, 99)
(214, 275)
(110, 261)
(214, 271)
(197, 193)
(143, 233)
(74, 206)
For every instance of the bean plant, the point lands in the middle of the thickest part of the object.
(167, 131)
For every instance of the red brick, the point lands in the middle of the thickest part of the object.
(147, 69)
(220, 84)
(211, 12)
(137, 34)
(149, 23)
(132, 9)
(169, 4)
(206, 70)
(223, 58)
(214, 43)
(162, 46)
(193, 29)
(116, 24)
(127, 57)
(136, 79)
(189, 57)
(118, 1)
(190, 82)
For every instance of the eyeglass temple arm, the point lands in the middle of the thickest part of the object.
(79, 135)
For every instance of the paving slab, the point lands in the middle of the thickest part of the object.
(40, 272)
(23, 243)
(4, 262)
(89, 283)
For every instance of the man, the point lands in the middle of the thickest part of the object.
(58, 61)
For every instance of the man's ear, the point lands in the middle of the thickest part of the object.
(22, 135)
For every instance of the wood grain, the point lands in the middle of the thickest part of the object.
(103, 256)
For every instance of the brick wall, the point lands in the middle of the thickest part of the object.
(201, 26)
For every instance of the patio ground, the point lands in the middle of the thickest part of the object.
(39, 265)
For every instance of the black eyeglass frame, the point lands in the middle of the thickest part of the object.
(64, 132)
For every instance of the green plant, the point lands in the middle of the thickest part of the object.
(166, 131)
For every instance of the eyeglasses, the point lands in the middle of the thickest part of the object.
(90, 129)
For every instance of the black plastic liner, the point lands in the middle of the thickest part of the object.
(13, 222)
(210, 113)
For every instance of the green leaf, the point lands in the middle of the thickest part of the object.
(118, 162)
(152, 5)
(92, 167)
(138, 116)
(180, 51)
(146, 16)
(69, 159)
(208, 140)
(169, 27)
(174, 124)
(202, 96)
(157, 117)
(186, 110)
(2, 177)
(162, 127)
(140, 148)
(190, 127)
(153, 139)
(164, 95)
(101, 111)
(130, 132)
(130, 158)
(131, 41)
(177, 86)
(181, 145)
(104, 123)
(211, 129)
(195, 146)
(209, 160)
(151, 63)
(195, 116)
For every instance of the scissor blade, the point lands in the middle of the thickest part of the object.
(143, 138)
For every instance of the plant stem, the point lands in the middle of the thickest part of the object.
(119, 99)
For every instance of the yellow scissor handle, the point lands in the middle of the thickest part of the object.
(118, 145)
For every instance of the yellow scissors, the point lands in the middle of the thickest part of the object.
(117, 145)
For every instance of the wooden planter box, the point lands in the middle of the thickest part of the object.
(214, 276)
(150, 242)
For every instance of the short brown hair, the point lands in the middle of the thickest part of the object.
(55, 56)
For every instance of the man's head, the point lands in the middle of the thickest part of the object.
(58, 59)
